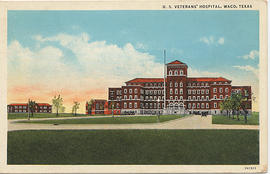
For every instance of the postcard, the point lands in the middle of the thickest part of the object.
(133, 87)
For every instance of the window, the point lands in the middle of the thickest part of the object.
(170, 84)
(125, 91)
(215, 90)
(176, 91)
(193, 105)
(202, 84)
(189, 97)
(198, 91)
(215, 96)
(146, 97)
(198, 105)
(202, 105)
(135, 105)
(176, 98)
(171, 98)
(151, 105)
(181, 97)
(198, 84)
(207, 91)
(135, 91)
(189, 105)
(176, 84)
(181, 84)
(135, 97)
(171, 91)
(130, 91)
(146, 105)
(215, 105)
(189, 84)
(155, 92)
(202, 92)
(181, 72)
(130, 105)
(181, 91)
(125, 97)
(151, 98)
(207, 97)
(155, 105)
(125, 105)
(189, 91)
(198, 97)
(206, 84)
(151, 92)
(194, 91)
(170, 72)
(226, 96)
(220, 90)
(155, 98)
(176, 73)
(226, 90)
(221, 96)
(130, 97)
(194, 98)
(202, 97)
(207, 105)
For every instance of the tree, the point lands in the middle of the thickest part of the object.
(75, 107)
(32, 105)
(62, 109)
(236, 99)
(89, 106)
(57, 103)
(112, 106)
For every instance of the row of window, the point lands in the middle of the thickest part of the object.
(198, 91)
(176, 72)
(26, 110)
(176, 84)
(154, 92)
(147, 105)
(206, 84)
(154, 84)
(220, 90)
(200, 105)
(176, 91)
(24, 107)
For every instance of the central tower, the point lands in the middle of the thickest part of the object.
(176, 73)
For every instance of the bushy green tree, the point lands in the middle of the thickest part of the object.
(57, 103)
(75, 107)
(32, 105)
(89, 106)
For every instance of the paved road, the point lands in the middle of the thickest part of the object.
(190, 122)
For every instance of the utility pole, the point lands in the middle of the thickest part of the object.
(164, 57)
(28, 109)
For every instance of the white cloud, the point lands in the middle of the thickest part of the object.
(248, 68)
(252, 55)
(99, 65)
(221, 40)
(211, 40)
(141, 46)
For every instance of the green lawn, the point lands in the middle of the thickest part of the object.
(109, 120)
(238, 147)
(222, 119)
(40, 115)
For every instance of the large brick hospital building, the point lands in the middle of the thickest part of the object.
(182, 94)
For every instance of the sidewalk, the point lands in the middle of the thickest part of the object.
(190, 122)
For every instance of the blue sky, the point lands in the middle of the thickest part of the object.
(210, 42)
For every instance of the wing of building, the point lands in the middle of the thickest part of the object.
(182, 94)
(23, 108)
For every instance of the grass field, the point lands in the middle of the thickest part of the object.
(222, 119)
(109, 120)
(134, 147)
(40, 115)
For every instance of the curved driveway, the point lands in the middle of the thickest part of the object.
(189, 122)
